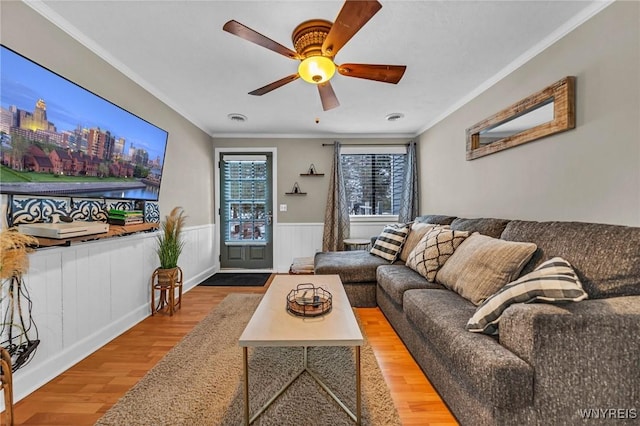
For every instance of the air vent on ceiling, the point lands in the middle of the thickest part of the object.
(394, 116)
(238, 118)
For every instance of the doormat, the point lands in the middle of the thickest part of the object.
(237, 279)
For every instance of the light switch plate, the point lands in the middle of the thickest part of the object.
(283, 207)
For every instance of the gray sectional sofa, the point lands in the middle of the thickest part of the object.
(570, 363)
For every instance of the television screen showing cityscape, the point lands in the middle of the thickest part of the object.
(59, 139)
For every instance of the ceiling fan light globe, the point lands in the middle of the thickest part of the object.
(316, 69)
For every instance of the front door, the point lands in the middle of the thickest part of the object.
(246, 237)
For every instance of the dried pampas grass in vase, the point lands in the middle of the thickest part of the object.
(14, 247)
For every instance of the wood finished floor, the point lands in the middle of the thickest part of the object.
(82, 394)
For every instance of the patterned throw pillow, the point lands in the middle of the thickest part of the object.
(151, 212)
(88, 210)
(552, 281)
(433, 250)
(416, 232)
(389, 243)
(34, 210)
(120, 205)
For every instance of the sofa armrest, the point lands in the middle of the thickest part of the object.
(585, 355)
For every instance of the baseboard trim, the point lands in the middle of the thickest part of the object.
(28, 380)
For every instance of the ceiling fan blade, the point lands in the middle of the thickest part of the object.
(353, 15)
(384, 73)
(272, 86)
(242, 31)
(328, 96)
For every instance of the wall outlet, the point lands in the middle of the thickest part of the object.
(283, 207)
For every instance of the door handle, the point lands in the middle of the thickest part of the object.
(269, 218)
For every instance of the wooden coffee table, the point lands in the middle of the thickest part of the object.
(273, 325)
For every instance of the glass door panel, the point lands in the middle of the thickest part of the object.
(245, 188)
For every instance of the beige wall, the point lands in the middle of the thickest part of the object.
(188, 170)
(294, 157)
(591, 173)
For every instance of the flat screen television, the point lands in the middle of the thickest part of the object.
(59, 139)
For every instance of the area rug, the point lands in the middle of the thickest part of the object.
(200, 381)
(237, 279)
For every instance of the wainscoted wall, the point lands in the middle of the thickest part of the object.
(368, 229)
(87, 294)
(295, 240)
(305, 239)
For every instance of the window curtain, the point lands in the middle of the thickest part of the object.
(336, 216)
(410, 199)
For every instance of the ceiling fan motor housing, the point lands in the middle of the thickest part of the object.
(308, 37)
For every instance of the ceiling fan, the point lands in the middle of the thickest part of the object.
(316, 43)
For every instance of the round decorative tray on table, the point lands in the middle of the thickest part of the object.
(306, 300)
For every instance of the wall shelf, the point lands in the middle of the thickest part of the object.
(295, 190)
(114, 231)
(312, 171)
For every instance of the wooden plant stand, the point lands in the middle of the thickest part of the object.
(166, 282)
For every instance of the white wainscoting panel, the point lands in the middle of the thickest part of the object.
(88, 293)
(44, 287)
(200, 262)
(305, 239)
(366, 229)
(296, 240)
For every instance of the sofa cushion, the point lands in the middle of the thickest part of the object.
(394, 280)
(433, 250)
(389, 243)
(483, 265)
(552, 281)
(486, 226)
(606, 258)
(437, 219)
(416, 232)
(353, 266)
(489, 370)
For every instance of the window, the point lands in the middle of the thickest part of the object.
(245, 187)
(373, 178)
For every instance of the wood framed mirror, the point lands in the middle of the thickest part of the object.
(549, 111)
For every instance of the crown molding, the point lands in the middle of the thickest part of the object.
(544, 44)
(263, 135)
(41, 8)
(57, 20)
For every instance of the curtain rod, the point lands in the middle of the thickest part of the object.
(368, 145)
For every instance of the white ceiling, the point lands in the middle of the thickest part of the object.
(178, 51)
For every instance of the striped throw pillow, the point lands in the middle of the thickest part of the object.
(552, 281)
(389, 243)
